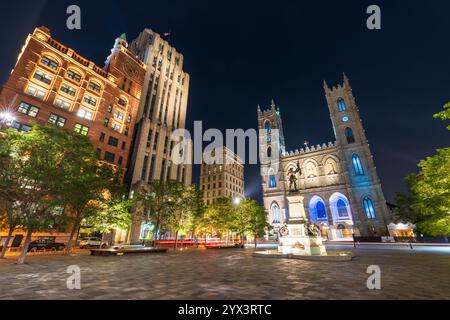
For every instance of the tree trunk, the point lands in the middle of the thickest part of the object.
(72, 233)
(256, 242)
(25, 247)
(6, 244)
(176, 240)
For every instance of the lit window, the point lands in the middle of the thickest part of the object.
(83, 130)
(267, 127)
(119, 115)
(94, 87)
(273, 181)
(84, 114)
(43, 77)
(369, 210)
(341, 105)
(73, 75)
(342, 209)
(357, 165)
(116, 127)
(68, 89)
(49, 63)
(321, 211)
(276, 213)
(37, 93)
(62, 104)
(57, 120)
(28, 109)
(90, 100)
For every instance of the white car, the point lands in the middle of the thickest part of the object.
(91, 242)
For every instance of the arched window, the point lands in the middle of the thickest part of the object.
(341, 105)
(342, 209)
(276, 213)
(321, 211)
(357, 165)
(317, 210)
(349, 135)
(273, 181)
(269, 152)
(369, 210)
(267, 126)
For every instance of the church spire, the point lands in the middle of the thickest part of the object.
(273, 104)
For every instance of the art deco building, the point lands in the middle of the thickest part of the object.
(223, 179)
(52, 84)
(162, 110)
(338, 180)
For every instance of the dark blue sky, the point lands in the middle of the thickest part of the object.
(241, 53)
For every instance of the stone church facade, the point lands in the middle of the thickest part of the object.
(338, 180)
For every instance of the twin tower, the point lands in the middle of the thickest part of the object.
(338, 180)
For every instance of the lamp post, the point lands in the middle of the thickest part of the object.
(6, 119)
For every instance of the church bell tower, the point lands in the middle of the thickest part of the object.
(363, 183)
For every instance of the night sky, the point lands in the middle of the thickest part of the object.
(240, 54)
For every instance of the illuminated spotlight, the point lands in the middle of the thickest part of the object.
(7, 117)
(237, 201)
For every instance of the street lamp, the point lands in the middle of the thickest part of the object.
(6, 118)
(237, 201)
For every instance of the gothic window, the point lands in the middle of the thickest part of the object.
(269, 152)
(321, 211)
(341, 105)
(276, 213)
(267, 127)
(357, 165)
(349, 135)
(273, 181)
(342, 209)
(368, 208)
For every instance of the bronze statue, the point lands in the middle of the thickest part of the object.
(292, 173)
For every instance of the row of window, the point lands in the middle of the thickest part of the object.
(318, 210)
(112, 141)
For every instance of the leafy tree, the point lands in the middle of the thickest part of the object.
(255, 218)
(187, 207)
(29, 181)
(157, 201)
(110, 214)
(428, 204)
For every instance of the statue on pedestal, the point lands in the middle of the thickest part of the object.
(292, 173)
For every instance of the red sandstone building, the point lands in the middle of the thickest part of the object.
(52, 84)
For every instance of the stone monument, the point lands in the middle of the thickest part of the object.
(299, 237)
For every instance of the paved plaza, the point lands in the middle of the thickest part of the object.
(230, 274)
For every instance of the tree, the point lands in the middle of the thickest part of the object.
(89, 184)
(29, 181)
(110, 214)
(188, 207)
(157, 201)
(428, 204)
(256, 218)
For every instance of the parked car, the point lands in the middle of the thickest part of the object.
(91, 242)
(46, 244)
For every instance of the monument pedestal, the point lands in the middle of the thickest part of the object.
(297, 241)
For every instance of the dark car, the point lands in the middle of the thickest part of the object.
(46, 244)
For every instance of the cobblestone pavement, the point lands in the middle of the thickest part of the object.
(228, 274)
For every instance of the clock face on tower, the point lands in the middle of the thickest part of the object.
(345, 119)
(130, 70)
